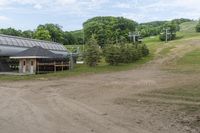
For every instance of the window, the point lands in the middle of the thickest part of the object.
(24, 62)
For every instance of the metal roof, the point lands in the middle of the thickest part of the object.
(37, 52)
(28, 43)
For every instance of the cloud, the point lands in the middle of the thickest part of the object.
(4, 18)
(122, 5)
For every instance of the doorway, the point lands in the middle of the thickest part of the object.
(24, 66)
(32, 67)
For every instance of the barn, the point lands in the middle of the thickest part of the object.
(31, 56)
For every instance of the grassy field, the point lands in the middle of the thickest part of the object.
(189, 63)
(153, 44)
(79, 70)
(188, 26)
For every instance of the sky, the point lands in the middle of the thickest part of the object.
(70, 14)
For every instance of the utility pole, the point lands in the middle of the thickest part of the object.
(83, 40)
(166, 35)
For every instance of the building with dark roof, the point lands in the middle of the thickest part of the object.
(11, 45)
(32, 56)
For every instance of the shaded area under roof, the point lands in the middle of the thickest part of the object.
(36, 52)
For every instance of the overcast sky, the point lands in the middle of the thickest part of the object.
(27, 14)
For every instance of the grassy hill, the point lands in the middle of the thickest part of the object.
(188, 26)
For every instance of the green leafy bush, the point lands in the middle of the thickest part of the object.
(172, 29)
(144, 50)
(112, 54)
(92, 54)
(171, 36)
(198, 27)
(115, 54)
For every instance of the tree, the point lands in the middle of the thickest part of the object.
(198, 27)
(78, 36)
(108, 29)
(55, 32)
(42, 34)
(172, 28)
(92, 54)
(27, 34)
(128, 53)
(68, 39)
(11, 31)
(112, 54)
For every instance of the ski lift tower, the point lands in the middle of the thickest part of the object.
(134, 36)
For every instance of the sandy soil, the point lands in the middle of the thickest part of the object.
(102, 103)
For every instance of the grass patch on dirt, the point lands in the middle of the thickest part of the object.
(179, 95)
(186, 91)
(189, 63)
(166, 50)
(191, 58)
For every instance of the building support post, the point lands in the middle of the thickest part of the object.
(62, 65)
(54, 66)
(38, 66)
(71, 61)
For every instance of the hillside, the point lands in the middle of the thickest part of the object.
(188, 26)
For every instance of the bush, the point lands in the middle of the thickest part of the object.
(171, 36)
(92, 54)
(112, 54)
(129, 54)
(144, 50)
(198, 28)
(116, 54)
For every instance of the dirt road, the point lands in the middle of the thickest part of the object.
(102, 103)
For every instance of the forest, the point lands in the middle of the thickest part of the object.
(106, 30)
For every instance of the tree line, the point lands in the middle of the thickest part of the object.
(48, 32)
(106, 30)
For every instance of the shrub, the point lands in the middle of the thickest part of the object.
(129, 54)
(125, 54)
(92, 54)
(144, 50)
(115, 54)
(198, 27)
(171, 36)
(112, 54)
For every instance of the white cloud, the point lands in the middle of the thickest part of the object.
(122, 5)
(3, 3)
(4, 18)
(66, 2)
(38, 6)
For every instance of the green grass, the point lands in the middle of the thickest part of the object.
(190, 91)
(153, 43)
(191, 58)
(189, 63)
(78, 70)
(188, 26)
(166, 50)
(185, 93)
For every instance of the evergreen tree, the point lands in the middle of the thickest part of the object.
(92, 54)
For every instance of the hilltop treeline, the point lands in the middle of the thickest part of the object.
(106, 30)
(48, 32)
